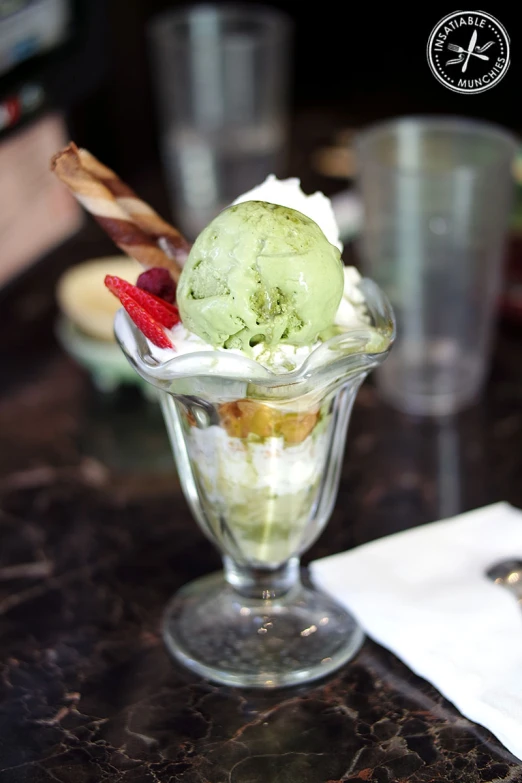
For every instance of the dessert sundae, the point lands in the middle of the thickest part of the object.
(258, 337)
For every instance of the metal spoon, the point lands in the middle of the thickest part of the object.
(204, 412)
(508, 574)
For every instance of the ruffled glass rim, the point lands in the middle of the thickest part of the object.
(361, 345)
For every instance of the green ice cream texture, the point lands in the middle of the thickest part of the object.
(260, 273)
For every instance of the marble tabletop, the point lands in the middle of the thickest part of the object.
(96, 536)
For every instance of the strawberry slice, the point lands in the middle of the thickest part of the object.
(145, 322)
(164, 313)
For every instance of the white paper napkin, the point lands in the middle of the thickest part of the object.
(423, 594)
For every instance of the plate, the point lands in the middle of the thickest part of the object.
(103, 360)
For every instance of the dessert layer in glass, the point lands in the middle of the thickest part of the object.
(258, 473)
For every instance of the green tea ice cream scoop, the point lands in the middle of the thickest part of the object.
(260, 272)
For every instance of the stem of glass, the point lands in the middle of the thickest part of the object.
(264, 584)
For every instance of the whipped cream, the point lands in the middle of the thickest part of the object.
(236, 466)
(352, 307)
(265, 491)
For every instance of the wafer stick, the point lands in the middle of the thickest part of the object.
(97, 199)
(168, 238)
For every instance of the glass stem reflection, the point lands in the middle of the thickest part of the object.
(266, 584)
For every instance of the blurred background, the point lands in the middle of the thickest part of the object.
(93, 62)
(350, 70)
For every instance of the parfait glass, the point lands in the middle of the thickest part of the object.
(259, 458)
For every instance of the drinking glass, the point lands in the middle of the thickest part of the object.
(259, 458)
(221, 74)
(436, 194)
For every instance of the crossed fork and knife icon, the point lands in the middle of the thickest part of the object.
(471, 51)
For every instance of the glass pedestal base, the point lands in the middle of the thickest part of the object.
(229, 638)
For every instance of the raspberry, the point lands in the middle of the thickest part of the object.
(159, 282)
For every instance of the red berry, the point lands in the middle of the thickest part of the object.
(162, 312)
(145, 322)
(159, 282)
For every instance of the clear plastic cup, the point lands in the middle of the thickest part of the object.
(221, 76)
(436, 193)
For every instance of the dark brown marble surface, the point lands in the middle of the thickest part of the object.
(96, 536)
